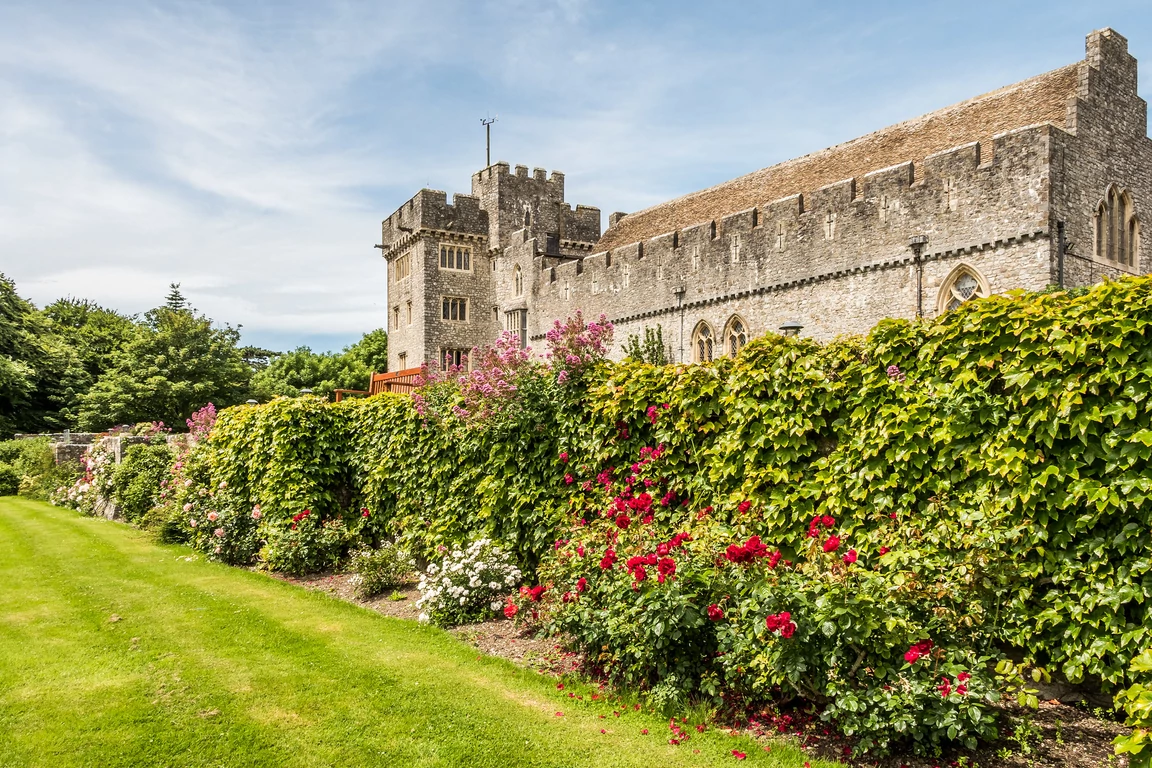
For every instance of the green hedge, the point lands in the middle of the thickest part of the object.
(1035, 404)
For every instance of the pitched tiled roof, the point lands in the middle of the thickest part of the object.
(1041, 99)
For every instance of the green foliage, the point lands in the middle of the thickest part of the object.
(375, 570)
(306, 545)
(302, 368)
(176, 362)
(1011, 439)
(322, 372)
(36, 466)
(136, 481)
(371, 350)
(9, 480)
(1136, 702)
(40, 375)
(95, 333)
(649, 350)
(224, 527)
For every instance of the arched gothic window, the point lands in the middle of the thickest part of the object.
(962, 284)
(703, 343)
(1117, 228)
(517, 281)
(735, 335)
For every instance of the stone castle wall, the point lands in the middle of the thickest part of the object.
(835, 258)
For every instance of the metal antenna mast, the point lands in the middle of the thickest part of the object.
(487, 123)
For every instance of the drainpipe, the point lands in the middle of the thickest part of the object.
(680, 305)
(1061, 246)
(917, 243)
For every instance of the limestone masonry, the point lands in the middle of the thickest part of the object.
(968, 201)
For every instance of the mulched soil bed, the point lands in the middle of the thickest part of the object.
(1055, 736)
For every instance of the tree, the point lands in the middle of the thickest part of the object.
(176, 362)
(95, 333)
(39, 374)
(175, 300)
(372, 350)
(257, 358)
(650, 350)
(302, 368)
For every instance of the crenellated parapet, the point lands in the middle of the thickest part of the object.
(966, 195)
(429, 213)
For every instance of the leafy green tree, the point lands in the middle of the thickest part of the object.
(95, 333)
(176, 362)
(302, 368)
(40, 374)
(257, 358)
(372, 350)
(650, 350)
(323, 372)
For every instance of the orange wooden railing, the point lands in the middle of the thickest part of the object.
(401, 382)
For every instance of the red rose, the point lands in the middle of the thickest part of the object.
(945, 688)
(510, 610)
(535, 593)
(666, 568)
(662, 549)
(832, 543)
(581, 584)
(639, 574)
(564, 457)
(714, 612)
(963, 677)
(883, 551)
(849, 557)
(828, 521)
(744, 506)
(918, 651)
(608, 560)
(569, 479)
(623, 521)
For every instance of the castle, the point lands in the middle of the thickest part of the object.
(1040, 183)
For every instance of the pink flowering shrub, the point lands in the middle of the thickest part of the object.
(223, 527)
(576, 347)
(201, 423)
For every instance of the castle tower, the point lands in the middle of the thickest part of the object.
(460, 274)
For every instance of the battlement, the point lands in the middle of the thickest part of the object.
(501, 169)
(429, 210)
(951, 196)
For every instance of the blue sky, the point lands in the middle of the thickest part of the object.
(249, 150)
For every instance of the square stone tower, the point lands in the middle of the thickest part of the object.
(450, 287)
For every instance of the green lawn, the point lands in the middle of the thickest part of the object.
(115, 651)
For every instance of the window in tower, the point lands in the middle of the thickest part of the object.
(457, 258)
(455, 309)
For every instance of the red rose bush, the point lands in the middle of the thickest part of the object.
(687, 603)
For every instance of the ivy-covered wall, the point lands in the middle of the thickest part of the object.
(1031, 404)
